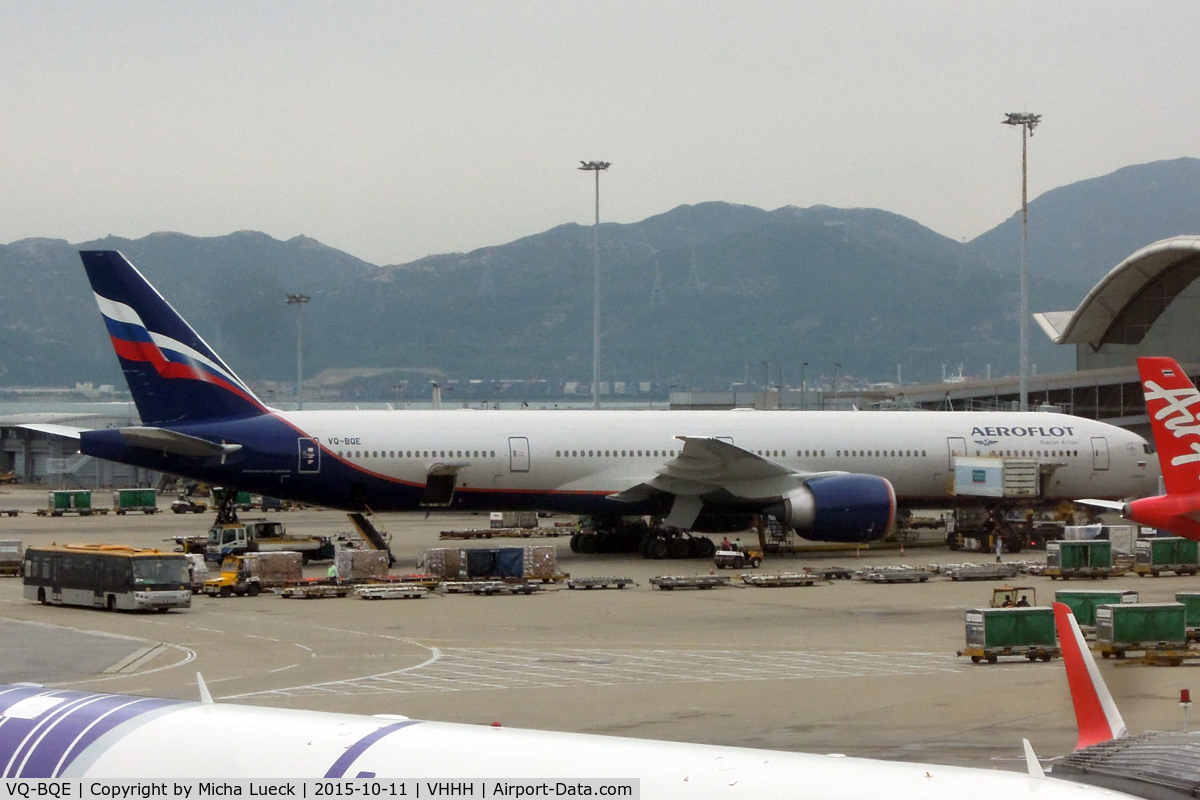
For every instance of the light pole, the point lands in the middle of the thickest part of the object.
(1027, 122)
(596, 167)
(837, 371)
(803, 384)
(298, 300)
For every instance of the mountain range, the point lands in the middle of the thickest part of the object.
(701, 295)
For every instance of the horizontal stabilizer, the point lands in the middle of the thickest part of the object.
(1112, 505)
(179, 444)
(54, 430)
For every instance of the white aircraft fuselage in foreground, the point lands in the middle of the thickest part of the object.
(833, 476)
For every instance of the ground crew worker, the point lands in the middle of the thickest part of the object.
(332, 572)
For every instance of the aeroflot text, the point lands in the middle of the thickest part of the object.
(1030, 431)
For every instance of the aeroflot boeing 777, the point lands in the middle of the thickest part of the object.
(833, 476)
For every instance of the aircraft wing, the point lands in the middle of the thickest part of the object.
(177, 443)
(709, 466)
(1112, 505)
(69, 431)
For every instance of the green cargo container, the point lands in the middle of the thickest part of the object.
(1136, 626)
(1173, 553)
(242, 500)
(1081, 555)
(1083, 602)
(1000, 628)
(66, 500)
(145, 500)
(1191, 602)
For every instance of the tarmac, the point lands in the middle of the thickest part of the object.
(848, 667)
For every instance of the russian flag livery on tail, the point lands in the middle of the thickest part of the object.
(173, 374)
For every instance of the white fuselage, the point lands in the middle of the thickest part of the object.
(602, 452)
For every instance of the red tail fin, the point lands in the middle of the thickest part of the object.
(1172, 403)
(1095, 712)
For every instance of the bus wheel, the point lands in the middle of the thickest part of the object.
(42, 597)
(111, 603)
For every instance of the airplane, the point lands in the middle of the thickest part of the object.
(1170, 396)
(830, 475)
(66, 735)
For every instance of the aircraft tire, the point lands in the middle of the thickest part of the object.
(659, 548)
(574, 542)
(588, 544)
(678, 548)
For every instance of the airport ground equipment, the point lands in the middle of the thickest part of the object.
(198, 571)
(900, 574)
(982, 572)
(9, 512)
(69, 501)
(312, 590)
(505, 533)
(376, 538)
(356, 566)
(186, 505)
(1009, 596)
(251, 573)
(383, 591)
(1191, 602)
(1023, 632)
(1159, 554)
(600, 583)
(1084, 559)
(531, 562)
(783, 579)
(512, 519)
(11, 554)
(1148, 627)
(9, 477)
(836, 573)
(109, 576)
(1084, 602)
(738, 559)
(488, 588)
(255, 536)
(669, 582)
(140, 500)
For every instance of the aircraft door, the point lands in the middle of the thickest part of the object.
(518, 454)
(955, 446)
(310, 456)
(1099, 453)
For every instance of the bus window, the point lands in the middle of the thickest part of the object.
(160, 571)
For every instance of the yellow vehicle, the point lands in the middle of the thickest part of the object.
(235, 578)
(1014, 596)
(738, 558)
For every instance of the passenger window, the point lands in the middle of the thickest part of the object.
(339, 453)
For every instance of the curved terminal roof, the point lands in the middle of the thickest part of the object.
(1129, 299)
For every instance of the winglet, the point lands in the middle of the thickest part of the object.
(1095, 712)
(205, 697)
(1031, 762)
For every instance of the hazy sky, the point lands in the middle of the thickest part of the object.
(392, 130)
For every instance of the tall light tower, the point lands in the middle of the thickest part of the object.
(298, 300)
(596, 167)
(1027, 122)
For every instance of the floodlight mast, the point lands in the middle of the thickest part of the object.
(1027, 122)
(298, 300)
(596, 167)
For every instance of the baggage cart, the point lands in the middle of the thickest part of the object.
(894, 575)
(1147, 627)
(1081, 559)
(384, 591)
(1084, 602)
(669, 582)
(1191, 603)
(781, 579)
(982, 572)
(12, 555)
(1160, 554)
(600, 583)
(1021, 632)
(144, 501)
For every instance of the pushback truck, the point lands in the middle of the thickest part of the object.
(254, 536)
(1160, 554)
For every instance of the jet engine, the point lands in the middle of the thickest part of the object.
(839, 508)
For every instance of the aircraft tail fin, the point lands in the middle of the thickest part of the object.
(1172, 403)
(1096, 713)
(173, 375)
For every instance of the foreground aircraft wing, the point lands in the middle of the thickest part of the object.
(67, 431)
(1112, 505)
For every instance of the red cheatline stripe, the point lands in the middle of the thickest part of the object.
(149, 353)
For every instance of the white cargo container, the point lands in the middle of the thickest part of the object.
(996, 477)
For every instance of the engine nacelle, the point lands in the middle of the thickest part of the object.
(840, 508)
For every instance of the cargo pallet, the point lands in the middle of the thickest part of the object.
(836, 573)
(600, 583)
(312, 592)
(385, 592)
(983, 572)
(669, 582)
(505, 533)
(992, 654)
(896, 575)
(1160, 653)
(488, 588)
(11, 512)
(1179, 569)
(783, 579)
(58, 512)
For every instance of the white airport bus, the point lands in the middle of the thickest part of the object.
(108, 576)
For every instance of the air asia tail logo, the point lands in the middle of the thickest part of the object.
(1176, 415)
